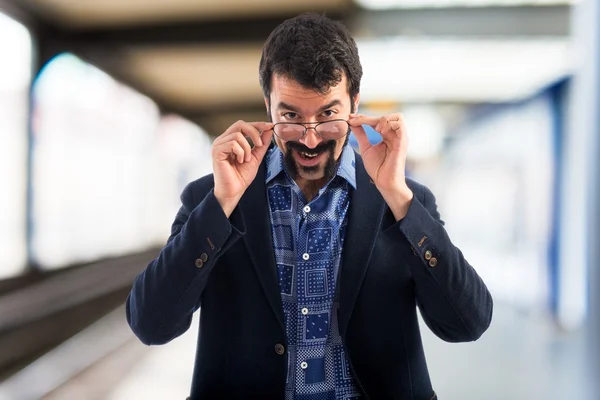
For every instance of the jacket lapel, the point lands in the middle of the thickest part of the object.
(366, 211)
(259, 240)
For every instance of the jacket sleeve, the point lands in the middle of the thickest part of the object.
(454, 301)
(166, 294)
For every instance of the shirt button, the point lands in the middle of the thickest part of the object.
(204, 257)
(304, 365)
(433, 262)
(428, 255)
(305, 256)
(307, 209)
(199, 263)
(279, 349)
(304, 311)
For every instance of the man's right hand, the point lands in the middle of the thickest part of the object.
(235, 163)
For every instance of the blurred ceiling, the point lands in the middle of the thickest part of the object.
(199, 58)
(119, 13)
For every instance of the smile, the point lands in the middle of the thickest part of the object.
(308, 156)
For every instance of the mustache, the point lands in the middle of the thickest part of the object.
(321, 148)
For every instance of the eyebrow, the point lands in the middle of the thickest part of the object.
(285, 106)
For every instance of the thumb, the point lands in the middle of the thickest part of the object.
(361, 138)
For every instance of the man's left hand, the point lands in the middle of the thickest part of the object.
(385, 161)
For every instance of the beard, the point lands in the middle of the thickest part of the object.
(331, 165)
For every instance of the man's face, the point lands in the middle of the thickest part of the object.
(309, 159)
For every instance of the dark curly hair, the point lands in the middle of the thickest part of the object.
(314, 51)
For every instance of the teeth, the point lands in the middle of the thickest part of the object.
(309, 155)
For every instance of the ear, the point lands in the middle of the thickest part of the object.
(355, 102)
(267, 104)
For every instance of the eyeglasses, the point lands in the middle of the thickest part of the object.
(327, 130)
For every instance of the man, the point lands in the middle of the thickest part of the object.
(307, 261)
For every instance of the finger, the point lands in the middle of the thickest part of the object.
(381, 124)
(252, 135)
(391, 124)
(361, 138)
(249, 132)
(396, 126)
(253, 131)
(250, 142)
(262, 126)
(394, 117)
(239, 138)
(402, 133)
(394, 133)
(259, 152)
(239, 152)
(250, 129)
(359, 119)
(389, 128)
(231, 150)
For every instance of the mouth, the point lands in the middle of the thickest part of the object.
(308, 159)
(307, 155)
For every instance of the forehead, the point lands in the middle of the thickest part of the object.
(290, 92)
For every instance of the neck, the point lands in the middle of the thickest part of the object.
(310, 188)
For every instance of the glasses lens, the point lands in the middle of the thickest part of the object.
(289, 131)
(333, 129)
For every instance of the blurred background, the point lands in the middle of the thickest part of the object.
(108, 108)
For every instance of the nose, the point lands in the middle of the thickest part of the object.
(311, 139)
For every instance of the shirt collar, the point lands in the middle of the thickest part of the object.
(347, 169)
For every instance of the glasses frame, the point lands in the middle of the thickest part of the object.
(306, 128)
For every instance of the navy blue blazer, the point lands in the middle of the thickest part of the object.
(226, 267)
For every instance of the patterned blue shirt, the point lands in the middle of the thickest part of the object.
(308, 239)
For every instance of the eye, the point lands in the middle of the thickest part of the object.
(290, 115)
(328, 113)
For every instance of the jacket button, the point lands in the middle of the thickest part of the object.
(428, 255)
(204, 257)
(199, 263)
(433, 262)
(279, 349)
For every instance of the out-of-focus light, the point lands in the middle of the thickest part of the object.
(67, 67)
(389, 4)
(429, 70)
(91, 135)
(426, 131)
(15, 47)
(15, 75)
